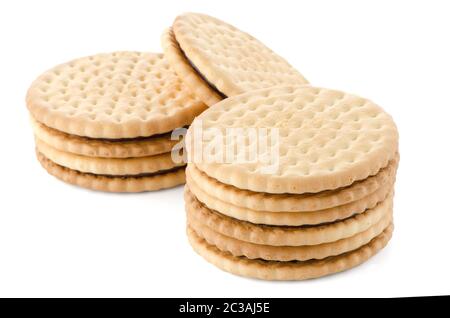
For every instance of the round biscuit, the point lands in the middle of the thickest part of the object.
(232, 60)
(113, 95)
(286, 235)
(278, 203)
(107, 148)
(157, 181)
(293, 270)
(288, 218)
(181, 65)
(289, 253)
(323, 139)
(108, 166)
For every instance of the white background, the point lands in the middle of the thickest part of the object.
(60, 240)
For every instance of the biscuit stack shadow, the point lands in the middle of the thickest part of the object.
(104, 122)
(328, 207)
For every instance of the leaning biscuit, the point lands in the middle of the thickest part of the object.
(229, 59)
(113, 95)
(184, 69)
(286, 235)
(152, 182)
(294, 270)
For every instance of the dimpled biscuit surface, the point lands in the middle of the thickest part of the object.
(327, 139)
(232, 60)
(113, 95)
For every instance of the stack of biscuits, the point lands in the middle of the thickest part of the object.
(284, 181)
(314, 197)
(104, 122)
